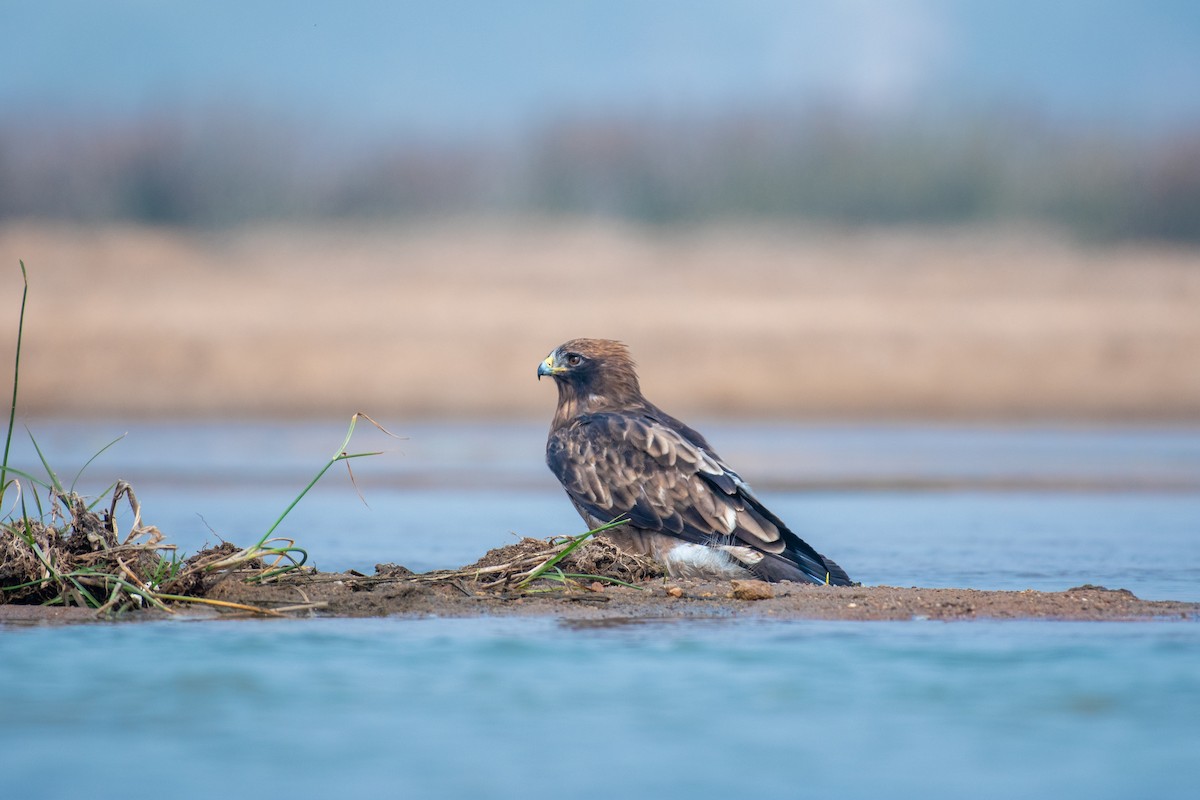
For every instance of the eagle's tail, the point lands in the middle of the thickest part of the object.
(800, 562)
(836, 575)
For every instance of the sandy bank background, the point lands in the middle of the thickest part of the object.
(451, 318)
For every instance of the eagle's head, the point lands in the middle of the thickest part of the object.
(592, 375)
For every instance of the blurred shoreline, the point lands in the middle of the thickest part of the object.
(449, 318)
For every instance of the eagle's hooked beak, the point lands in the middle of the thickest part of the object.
(547, 367)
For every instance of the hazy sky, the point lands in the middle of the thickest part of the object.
(460, 67)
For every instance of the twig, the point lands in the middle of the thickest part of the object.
(267, 612)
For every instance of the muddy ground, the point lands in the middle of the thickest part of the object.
(353, 595)
(475, 591)
(349, 595)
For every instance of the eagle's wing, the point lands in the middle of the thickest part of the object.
(635, 466)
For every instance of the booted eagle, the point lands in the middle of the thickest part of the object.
(619, 456)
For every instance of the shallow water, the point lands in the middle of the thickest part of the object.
(521, 707)
(709, 708)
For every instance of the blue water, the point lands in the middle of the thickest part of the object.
(701, 708)
(533, 707)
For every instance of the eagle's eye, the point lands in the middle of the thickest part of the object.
(574, 360)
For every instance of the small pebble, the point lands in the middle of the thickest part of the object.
(675, 591)
(751, 590)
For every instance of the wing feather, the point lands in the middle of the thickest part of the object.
(663, 477)
(621, 464)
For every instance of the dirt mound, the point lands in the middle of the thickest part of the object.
(84, 561)
(74, 556)
(561, 559)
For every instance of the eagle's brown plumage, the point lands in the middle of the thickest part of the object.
(620, 456)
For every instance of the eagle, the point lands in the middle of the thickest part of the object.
(622, 458)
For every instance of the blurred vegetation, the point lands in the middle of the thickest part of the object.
(823, 165)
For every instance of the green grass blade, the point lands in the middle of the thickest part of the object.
(284, 552)
(90, 601)
(12, 414)
(583, 576)
(93, 458)
(311, 484)
(20, 473)
(36, 582)
(53, 478)
(340, 455)
(550, 563)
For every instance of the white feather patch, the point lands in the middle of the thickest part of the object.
(686, 560)
(748, 556)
